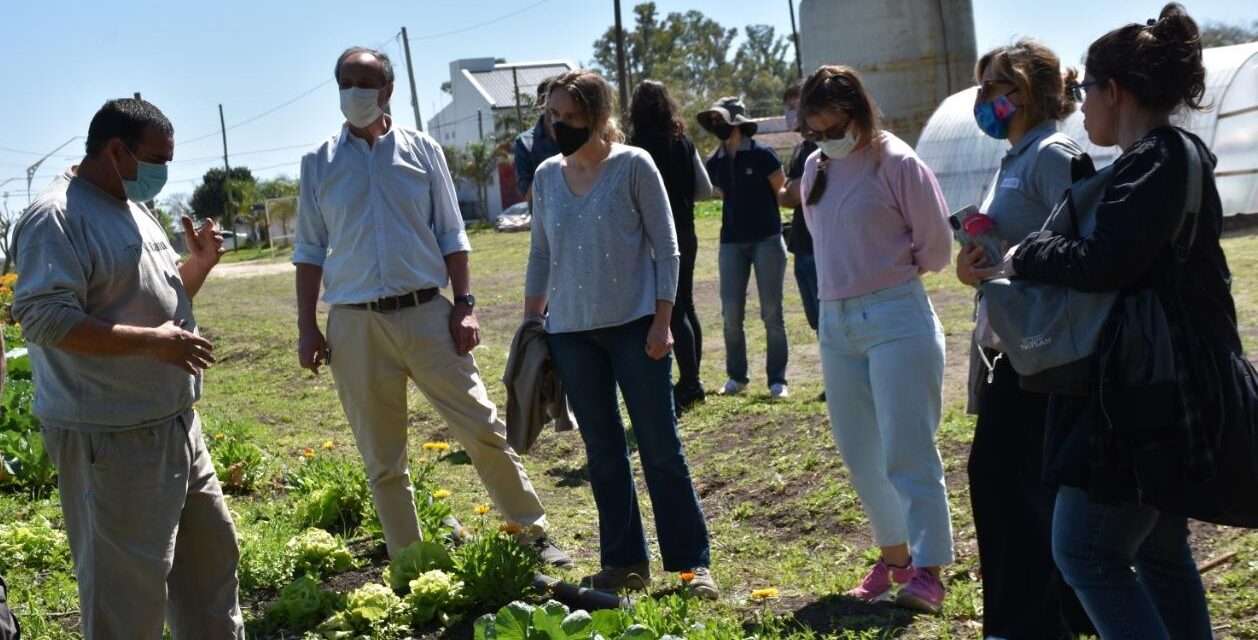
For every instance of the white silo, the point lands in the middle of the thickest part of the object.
(911, 53)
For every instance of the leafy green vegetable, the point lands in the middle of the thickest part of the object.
(301, 605)
(373, 610)
(319, 553)
(415, 559)
(431, 593)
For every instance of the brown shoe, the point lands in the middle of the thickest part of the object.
(634, 577)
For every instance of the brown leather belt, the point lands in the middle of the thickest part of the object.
(412, 299)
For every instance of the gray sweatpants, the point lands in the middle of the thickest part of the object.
(151, 537)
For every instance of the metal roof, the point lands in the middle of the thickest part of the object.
(965, 160)
(499, 85)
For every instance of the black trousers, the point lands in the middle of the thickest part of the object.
(687, 335)
(1024, 596)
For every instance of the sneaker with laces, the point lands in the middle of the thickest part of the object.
(923, 593)
(550, 554)
(779, 390)
(702, 584)
(733, 387)
(636, 577)
(877, 585)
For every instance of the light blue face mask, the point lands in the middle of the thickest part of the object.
(149, 179)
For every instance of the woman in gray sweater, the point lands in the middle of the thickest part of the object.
(604, 264)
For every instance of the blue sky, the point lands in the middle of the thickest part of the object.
(64, 59)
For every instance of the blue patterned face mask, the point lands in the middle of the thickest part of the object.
(994, 116)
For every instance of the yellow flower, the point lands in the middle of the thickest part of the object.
(219, 436)
(509, 527)
(436, 446)
(441, 494)
(482, 509)
(687, 576)
(328, 444)
(308, 452)
(760, 594)
(423, 460)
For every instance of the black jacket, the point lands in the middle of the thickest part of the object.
(674, 157)
(1150, 458)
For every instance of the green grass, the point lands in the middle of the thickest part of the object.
(781, 511)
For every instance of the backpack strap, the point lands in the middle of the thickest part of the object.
(1186, 229)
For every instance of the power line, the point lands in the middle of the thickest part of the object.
(481, 24)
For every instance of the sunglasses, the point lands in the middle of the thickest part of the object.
(1079, 90)
(837, 132)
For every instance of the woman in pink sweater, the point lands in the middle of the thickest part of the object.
(878, 220)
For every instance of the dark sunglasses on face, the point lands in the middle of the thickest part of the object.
(1079, 90)
(837, 132)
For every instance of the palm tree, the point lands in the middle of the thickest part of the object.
(478, 162)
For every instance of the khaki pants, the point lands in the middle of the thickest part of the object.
(373, 355)
(151, 537)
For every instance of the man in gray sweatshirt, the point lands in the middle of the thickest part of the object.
(106, 309)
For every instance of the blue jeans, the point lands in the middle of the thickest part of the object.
(591, 364)
(806, 278)
(735, 262)
(882, 357)
(1096, 545)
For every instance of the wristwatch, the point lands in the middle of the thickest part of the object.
(467, 299)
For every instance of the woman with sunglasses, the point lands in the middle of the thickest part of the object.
(1021, 98)
(878, 221)
(1126, 460)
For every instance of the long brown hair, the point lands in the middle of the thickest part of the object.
(652, 108)
(593, 95)
(1035, 70)
(839, 88)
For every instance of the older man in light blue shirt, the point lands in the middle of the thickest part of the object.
(378, 225)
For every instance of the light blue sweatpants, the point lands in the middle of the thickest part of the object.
(882, 355)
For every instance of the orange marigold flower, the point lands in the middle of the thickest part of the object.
(308, 452)
(509, 527)
(687, 576)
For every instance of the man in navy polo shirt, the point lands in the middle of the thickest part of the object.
(748, 176)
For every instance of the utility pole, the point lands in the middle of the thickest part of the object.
(799, 61)
(410, 73)
(30, 171)
(480, 124)
(620, 63)
(519, 119)
(229, 224)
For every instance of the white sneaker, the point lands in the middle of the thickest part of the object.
(779, 390)
(733, 387)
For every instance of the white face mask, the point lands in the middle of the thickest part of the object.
(361, 106)
(838, 149)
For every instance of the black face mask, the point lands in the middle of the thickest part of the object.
(722, 131)
(570, 138)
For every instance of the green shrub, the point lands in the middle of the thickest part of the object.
(266, 562)
(332, 494)
(33, 546)
(24, 464)
(238, 462)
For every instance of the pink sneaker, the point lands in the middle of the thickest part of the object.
(924, 593)
(877, 584)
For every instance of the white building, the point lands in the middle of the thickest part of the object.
(482, 91)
